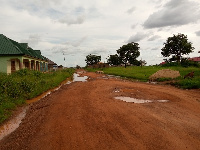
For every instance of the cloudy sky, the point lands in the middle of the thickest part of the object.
(76, 28)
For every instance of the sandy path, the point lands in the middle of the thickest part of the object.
(85, 115)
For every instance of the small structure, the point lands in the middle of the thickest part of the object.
(51, 65)
(100, 65)
(162, 63)
(195, 59)
(15, 56)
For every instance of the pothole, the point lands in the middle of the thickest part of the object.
(77, 77)
(139, 101)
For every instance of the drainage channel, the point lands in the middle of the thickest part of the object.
(14, 123)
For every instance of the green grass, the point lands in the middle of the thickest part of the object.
(16, 88)
(143, 74)
(135, 72)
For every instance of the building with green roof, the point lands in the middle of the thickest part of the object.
(15, 56)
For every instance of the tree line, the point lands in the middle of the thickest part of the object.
(174, 49)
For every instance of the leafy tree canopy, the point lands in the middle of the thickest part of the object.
(176, 47)
(92, 59)
(128, 53)
(114, 60)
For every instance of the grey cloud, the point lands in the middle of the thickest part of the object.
(153, 38)
(174, 13)
(45, 3)
(155, 48)
(69, 48)
(131, 10)
(66, 50)
(133, 26)
(138, 37)
(59, 49)
(155, 1)
(79, 42)
(32, 40)
(72, 20)
(198, 33)
(97, 51)
(76, 43)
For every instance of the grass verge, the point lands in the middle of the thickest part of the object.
(143, 74)
(25, 84)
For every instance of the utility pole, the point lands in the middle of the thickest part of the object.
(64, 60)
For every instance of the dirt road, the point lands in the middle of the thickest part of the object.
(86, 115)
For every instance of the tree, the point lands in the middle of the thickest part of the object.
(176, 47)
(128, 53)
(92, 59)
(114, 60)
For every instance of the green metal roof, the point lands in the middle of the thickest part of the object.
(11, 47)
(38, 53)
(7, 47)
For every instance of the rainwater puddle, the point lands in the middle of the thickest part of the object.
(112, 76)
(76, 77)
(163, 101)
(139, 101)
(13, 124)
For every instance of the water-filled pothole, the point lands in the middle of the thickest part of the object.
(139, 101)
(77, 77)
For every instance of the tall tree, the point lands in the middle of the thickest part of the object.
(92, 59)
(128, 53)
(176, 47)
(114, 60)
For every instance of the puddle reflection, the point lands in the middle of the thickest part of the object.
(139, 101)
(133, 100)
(76, 77)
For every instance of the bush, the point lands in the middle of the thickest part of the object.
(184, 63)
(193, 83)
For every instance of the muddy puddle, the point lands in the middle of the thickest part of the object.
(77, 78)
(14, 123)
(139, 101)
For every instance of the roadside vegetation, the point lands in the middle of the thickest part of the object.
(143, 74)
(25, 84)
(174, 52)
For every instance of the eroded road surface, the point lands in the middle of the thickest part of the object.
(86, 115)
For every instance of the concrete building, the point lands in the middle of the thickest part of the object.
(15, 56)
